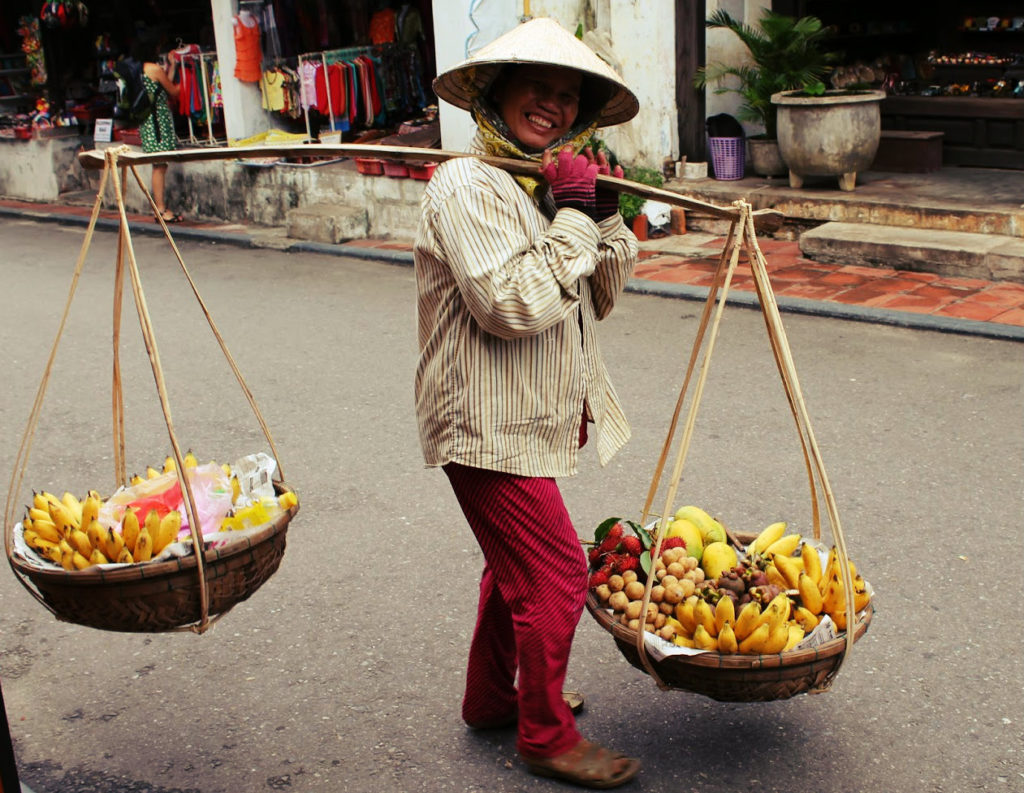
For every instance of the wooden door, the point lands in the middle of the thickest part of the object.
(690, 16)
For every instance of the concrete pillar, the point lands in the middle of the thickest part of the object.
(243, 114)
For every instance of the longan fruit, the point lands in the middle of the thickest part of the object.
(633, 625)
(629, 575)
(669, 581)
(633, 609)
(618, 601)
(688, 587)
(603, 592)
(675, 594)
(665, 607)
(677, 569)
(616, 583)
(634, 590)
(657, 593)
(659, 621)
(667, 632)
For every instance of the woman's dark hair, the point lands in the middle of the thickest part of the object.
(145, 48)
(594, 92)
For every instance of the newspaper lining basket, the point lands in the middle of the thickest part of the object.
(159, 596)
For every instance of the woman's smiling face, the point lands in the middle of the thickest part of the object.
(539, 103)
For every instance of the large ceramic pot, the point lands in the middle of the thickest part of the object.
(835, 134)
(765, 159)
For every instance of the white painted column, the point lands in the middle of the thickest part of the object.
(243, 114)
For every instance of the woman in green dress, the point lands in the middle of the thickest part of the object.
(157, 131)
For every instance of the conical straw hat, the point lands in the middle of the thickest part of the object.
(542, 41)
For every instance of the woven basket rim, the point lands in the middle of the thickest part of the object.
(98, 577)
(736, 661)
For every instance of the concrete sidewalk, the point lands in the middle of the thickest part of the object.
(682, 266)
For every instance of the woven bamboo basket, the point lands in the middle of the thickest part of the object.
(186, 593)
(163, 595)
(738, 678)
(741, 677)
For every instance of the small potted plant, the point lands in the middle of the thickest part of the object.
(785, 53)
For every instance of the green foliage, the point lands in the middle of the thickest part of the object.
(787, 53)
(630, 205)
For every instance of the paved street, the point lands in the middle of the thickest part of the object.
(344, 671)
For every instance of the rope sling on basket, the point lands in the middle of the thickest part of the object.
(186, 592)
(735, 674)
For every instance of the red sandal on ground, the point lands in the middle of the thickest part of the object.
(587, 765)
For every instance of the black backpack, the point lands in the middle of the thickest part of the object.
(133, 103)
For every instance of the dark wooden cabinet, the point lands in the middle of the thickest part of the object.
(949, 72)
(977, 131)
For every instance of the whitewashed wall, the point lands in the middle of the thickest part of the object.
(725, 47)
(642, 37)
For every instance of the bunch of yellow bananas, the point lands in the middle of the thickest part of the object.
(752, 631)
(807, 590)
(67, 531)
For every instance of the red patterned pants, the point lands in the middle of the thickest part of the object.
(532, 592)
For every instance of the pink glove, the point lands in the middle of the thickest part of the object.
(606, 202)
(572, 179)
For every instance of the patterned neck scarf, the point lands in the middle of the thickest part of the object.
(498, 142)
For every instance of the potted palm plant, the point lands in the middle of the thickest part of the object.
(785, 53)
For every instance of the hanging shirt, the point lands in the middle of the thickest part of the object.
(382, 26)
(307, 84)
(248, 55)
(272, 88)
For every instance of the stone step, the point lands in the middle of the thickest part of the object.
(330, 223)
(962, 254)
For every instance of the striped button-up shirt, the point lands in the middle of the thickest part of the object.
(507, 305)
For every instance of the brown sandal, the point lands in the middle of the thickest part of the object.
(587, 765)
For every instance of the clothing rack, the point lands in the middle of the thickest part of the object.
(203, 57)
(322, 56)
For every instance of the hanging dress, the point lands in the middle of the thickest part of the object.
(157, 131)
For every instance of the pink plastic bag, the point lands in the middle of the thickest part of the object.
(211, 489)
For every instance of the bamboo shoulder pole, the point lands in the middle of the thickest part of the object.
(764, 219)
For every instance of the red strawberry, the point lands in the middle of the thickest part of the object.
(631, 545)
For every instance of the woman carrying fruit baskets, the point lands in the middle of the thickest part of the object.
(513, 272)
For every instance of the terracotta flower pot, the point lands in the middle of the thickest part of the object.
(640, 227)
